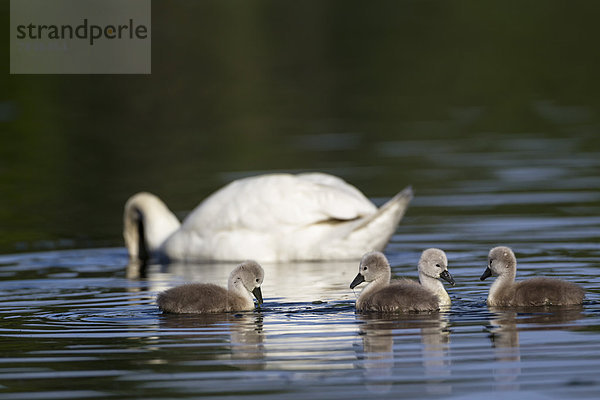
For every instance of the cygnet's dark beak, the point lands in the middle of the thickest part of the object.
(258, 294)
(445, 275)
(357, 281)
(486, 274)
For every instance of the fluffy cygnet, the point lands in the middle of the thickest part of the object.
(244, 280)
(383, 295)
(530, 292)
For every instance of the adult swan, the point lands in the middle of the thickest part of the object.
(274, 217)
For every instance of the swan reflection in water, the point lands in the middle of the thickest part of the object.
(504, 336)
(387, 352)
(283, 282)
(236, 339)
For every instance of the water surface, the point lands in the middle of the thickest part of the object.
(75, 316)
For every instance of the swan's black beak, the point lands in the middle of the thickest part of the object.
(486, 274)
(357, 281)
(445, 275)
(258, 294)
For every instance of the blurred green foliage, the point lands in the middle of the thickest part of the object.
(250, 85)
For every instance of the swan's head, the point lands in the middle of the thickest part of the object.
(147, 222)
(501, 261)
(248, 275)
(373, 266)
(434, 264)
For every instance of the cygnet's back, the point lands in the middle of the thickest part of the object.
(244, 280)
(400, 296)
(383, 295)
(547, 291)
(194, 298)
(505, 292)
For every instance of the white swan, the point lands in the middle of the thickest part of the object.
(274, 217)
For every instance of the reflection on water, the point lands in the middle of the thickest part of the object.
(504, 335)
(383, 338)
(241, 336)
(82, 315)
(505, 341)
(86, 317)
(288, 282)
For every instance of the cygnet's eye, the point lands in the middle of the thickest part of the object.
(438, 265)
(365, 268)
(490, 263)
(257, 280)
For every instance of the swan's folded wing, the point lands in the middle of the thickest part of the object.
(279, 201)
(334, 182)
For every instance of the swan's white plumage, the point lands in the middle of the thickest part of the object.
(276, 217)
(280, 202)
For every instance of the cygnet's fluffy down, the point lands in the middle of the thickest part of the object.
(244, 281)
(505, 292)
(383, 295)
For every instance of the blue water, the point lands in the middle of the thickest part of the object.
(74, 325)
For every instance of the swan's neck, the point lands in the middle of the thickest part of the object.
(237, 289)
(372, 287)
(147, 224)
(436, 287)
(501, 285)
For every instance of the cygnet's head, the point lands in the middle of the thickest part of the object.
(250, 275)
(501, 261)
(434, 264)
(373, 266)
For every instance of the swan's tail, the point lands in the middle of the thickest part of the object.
(374, 231)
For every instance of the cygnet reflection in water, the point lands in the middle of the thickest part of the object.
(383, 338)
(505, 326)
(238, 335)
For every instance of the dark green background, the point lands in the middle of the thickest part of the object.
(243, 86)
